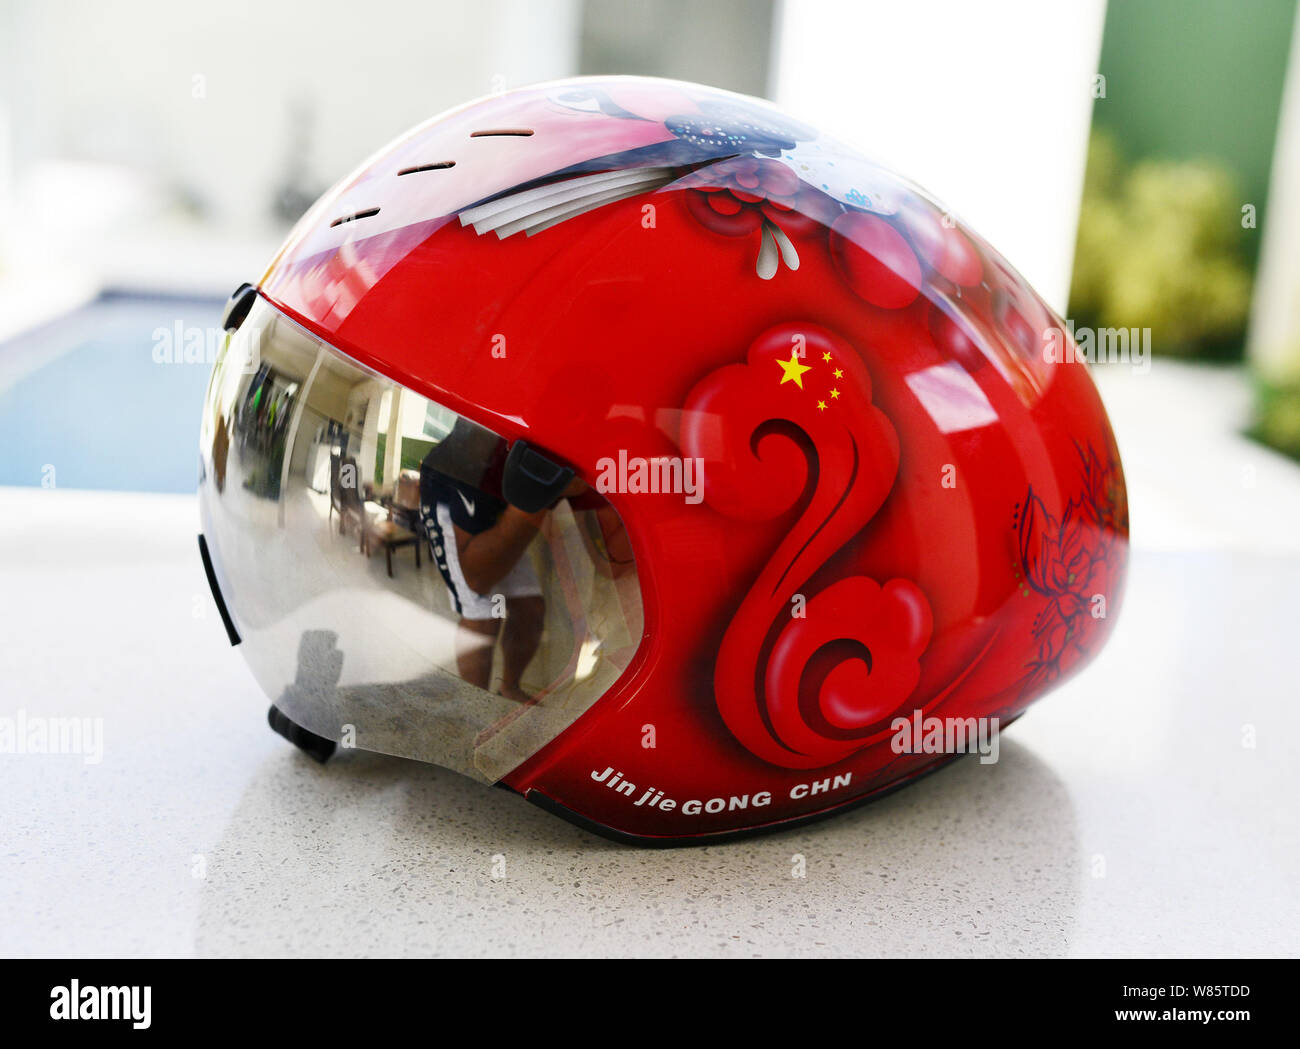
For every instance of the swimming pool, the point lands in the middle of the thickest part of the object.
(109, 396)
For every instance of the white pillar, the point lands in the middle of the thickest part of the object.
(1273, 342)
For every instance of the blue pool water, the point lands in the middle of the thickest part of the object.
(90, 401)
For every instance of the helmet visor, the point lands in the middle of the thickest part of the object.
(387, 593)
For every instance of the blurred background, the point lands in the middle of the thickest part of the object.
(1138, 161)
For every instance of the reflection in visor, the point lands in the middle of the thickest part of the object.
(378, 576)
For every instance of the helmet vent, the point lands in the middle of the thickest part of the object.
(519, 132)
(368, 213)
(428, 167)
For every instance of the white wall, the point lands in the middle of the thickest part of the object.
(116, 82)
(986, 105)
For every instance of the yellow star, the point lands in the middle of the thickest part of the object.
(826, 357)
(835, 394)
(793, 370)
(839, 374)
(821, 406)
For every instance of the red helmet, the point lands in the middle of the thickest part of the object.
(721, 479)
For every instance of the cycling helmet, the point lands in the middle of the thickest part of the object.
(631, 445)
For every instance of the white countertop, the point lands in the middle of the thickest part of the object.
(1124, 817)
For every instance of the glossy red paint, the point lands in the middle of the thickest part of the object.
(907, 505)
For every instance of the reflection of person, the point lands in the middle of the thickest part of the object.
(479, 544)
(220, 451)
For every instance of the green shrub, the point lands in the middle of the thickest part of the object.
(1158, 248)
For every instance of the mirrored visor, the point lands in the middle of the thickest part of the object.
(387, 593)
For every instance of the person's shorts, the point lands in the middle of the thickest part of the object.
(520, 581)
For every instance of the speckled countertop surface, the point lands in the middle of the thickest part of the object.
(1124, 817)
